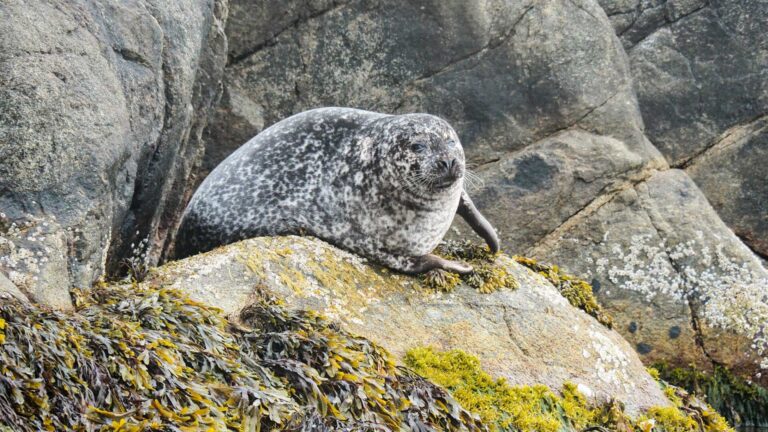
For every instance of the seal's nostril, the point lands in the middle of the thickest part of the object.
(443, 165)
(453, 163)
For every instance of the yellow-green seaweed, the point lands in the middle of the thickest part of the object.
(739, 401)
(141, 359)
(488, 276)
(440, 280)
(536, 408)
(501, 406)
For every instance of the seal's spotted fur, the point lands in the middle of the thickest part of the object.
(383, 186)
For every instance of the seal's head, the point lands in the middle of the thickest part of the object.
(423, 155)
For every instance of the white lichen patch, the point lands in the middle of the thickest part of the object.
(611, 362)
(729, 294)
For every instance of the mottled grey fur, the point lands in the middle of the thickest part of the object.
(383, 186)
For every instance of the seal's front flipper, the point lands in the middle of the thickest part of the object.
(424, 263)
(478, 222)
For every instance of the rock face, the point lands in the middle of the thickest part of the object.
(531, 193)
(529, 335)
(102, 105)
(700, 70)
(680, 280)
(701, 75)
(732, 174)
(492, 69)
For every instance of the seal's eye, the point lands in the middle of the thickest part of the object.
(418, 147)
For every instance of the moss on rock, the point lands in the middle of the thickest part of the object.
(151, 359)
(536, 408)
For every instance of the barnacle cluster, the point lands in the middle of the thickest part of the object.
(488, 276)
(729, 289)
(536, 408)
(740, 401)
(140, 359)
(577, 291)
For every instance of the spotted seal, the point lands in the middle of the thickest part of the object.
(383, 186)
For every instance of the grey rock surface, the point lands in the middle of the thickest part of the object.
(7, 288)
(681, 286)
(531, 193)
(504, 74)
(530, 335)
(733, 176)
(102, 105)
(701, 72)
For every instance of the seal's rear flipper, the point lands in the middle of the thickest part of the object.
(423, 264)
(478, 222)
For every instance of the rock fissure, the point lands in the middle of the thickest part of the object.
(511, 332)
(589, 112)
(490, 46)
(637, 10)
(575, 3)
(272, 40)
(603, 197)
(667, 22)
(132, 56)
(687, 295)
(574, 124)
(728, 138)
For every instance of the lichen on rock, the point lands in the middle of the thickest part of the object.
(577, 291)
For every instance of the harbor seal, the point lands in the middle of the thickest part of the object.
(383, 186)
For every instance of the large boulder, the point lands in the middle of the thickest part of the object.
(102, 106)
(528, 335)
(700, 70)
(683, 288)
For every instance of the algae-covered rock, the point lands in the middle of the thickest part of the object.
(504, 407)
(529, 335)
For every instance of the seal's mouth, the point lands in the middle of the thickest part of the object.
(446, 182)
